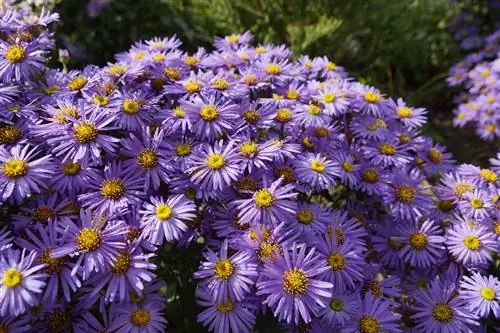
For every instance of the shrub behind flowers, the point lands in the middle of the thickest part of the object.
(315, 197)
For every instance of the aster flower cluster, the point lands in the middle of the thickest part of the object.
(315, 196)
(479, 74)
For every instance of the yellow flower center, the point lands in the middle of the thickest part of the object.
(472, 242)
(476, 203)
(191, 60)
(71, 168)
(225, 307)
(15, 54)
(10, 134)
(284, 115)
(220, 84)
(85, 132)
(405, 194)
(77, 83)
(267, 250)
(372, 97)
(273, 69)
(292, 94)
(370, 176)
(179, 112)
(295, 282)
(418, 241)
(53, 265)
(12, 277)
(50, 90)
(286, 173)
(100, 100)
(117, 69)
(329, 97)
(305, 216)
(88, 239)
(445, 205)
(192, 86)
(13, 168)
(347, 166)
(163, 212)
(331, 66)
(208, 113)
(395, 245)
(368, 324)
(249, 148)
(215, 161)
(113, 188)
(264, 198)
(489, 175)
(488, 294)
(403, 112)
(121, 265)
(317, 166)
(158, 57)
(497, 228)
(314, 110)
(223, 269)
(61, 113)
(250, 80)
(183, 149)
(148, 159)
(460, 189)
(485, 73)
(140, 317)
(172, 73)
(387, 149)
(490, 128)
(251, 116)
(336, 261)
(442, 312)
(337, 304)
(434, 155)
(260, 49)
(130, 106)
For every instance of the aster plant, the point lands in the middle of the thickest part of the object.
(313, 200)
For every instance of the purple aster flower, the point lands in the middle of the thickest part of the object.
(129, 271)
(21, 173)
(374, 316)
(423, 245)
(344, 262)
(85, 139)
(409, 117)
(268, 205)
(211, 116)
(42, 240)
(71, 177)
(257, 155)
(471, 244)
(148, 158)
(166, 219)
(20, 281)
(311, 115)
(407, 196)
(227, 277)
(291, 285)
(387, 153)
(143, 318)
(95, 242)
(133, 110)
(316, 170)
(475, 205)
(226, 316)
(112, 191)
(438, 311)
(311, 220)
(369, 100)
(20, 60)
(215, 168)
(481, 294)
(342, 309)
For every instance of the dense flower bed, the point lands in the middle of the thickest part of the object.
(315, 196)
(479, 74)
